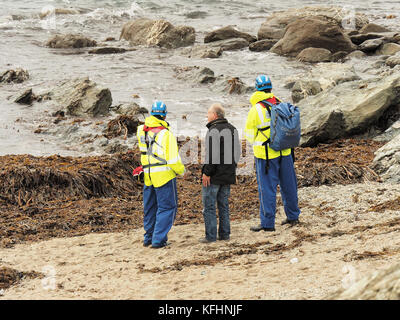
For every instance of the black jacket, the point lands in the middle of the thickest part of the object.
(223, 151)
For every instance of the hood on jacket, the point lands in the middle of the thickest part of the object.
(153, 122)
(260, 96)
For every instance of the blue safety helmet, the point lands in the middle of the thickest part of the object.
(263, 82)
(158, 109)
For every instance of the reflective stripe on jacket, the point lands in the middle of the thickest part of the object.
(257, 119)
(160, 155)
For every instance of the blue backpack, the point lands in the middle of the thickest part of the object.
(285, 128)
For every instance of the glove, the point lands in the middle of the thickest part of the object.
(138, 173)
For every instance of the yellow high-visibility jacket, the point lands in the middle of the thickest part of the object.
(160, 155)
(258, 118)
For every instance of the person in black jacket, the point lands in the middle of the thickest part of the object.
(222, 148)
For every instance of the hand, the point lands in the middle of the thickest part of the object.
(186, 175)
(206, 180)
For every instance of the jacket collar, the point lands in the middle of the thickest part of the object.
(216, 121)
(260, 96)
(153, 122)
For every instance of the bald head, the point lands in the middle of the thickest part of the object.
(216, 111)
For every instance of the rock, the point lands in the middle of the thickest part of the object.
(390, 133)
(327, 75)
(70, 41)
(109, 50)
(227, 33)
(203, 51)
(348, 108)
(371, 45)
(379, 285)
(393, 60)
(14, 76)
(356, 54)
(232, 85)
(230, 44)
(159, 33)
(314, 55)
(385, 36)
(215, 49)
(262, 45)
(196, 74)
(25, 97)
(387, 159)
(317, 32)
(339, 56)
(274, 26)
(115, 147)
(302, 89)
(372, 27)
(81, 97)
(131, 109)
(388, 49)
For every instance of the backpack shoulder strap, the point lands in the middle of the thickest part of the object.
(267, 105)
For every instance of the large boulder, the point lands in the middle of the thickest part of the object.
(379, 285)
(348, 108)
(388, 49)
(70, 41)
(274, 26)
(82, 97)
(372, 27)
(228, 32)
(387, 160)
(317, 32)
(159, 33)
(14, 76)
(314, 55)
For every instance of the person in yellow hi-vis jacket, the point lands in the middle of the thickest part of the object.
(272, 167)
(161, 163)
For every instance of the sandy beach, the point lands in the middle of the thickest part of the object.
(77, 82)
(346, 232)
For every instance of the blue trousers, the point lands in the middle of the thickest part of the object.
(160, 207)
(216, 194)
(281, 171)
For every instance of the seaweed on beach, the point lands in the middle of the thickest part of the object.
(10, 277)
(26, 179)
(47, 197)
(343, 161)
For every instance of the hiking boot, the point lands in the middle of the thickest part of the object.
(259, 228)
(223, 238)
(291, 222)
(205, 240)
(161, 245)
(146, 244)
